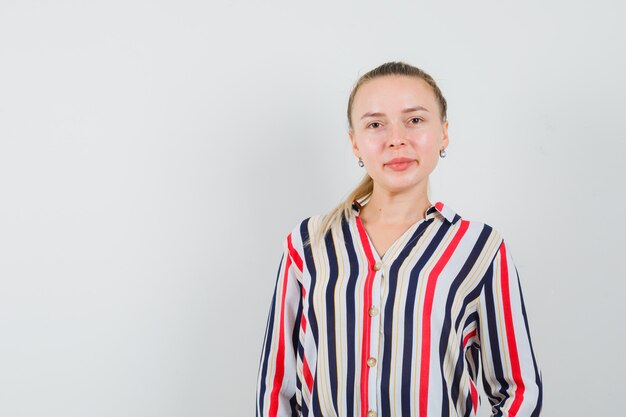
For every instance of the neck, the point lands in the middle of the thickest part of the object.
(395, 208)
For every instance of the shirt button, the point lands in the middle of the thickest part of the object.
(373, 311)
(371, 362)
(371, 413)
(378, 266)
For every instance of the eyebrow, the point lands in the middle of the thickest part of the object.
(407, 110)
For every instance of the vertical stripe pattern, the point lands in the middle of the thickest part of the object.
(352, 333)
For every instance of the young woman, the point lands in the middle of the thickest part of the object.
(391, 305)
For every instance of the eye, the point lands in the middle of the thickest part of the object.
(374, 125)
(416, 120)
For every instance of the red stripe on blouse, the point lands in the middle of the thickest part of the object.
(280, 354)
(308, 377)
(303, 320)
(428, 308)
(367, 320)
(473, 391)
(474, 395)
(510, 335)
(468, 337)
(294, 253)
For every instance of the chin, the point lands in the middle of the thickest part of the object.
(402, 186)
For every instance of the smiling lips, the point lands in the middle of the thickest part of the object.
(400, 164)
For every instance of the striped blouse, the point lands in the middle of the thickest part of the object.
(351, 333)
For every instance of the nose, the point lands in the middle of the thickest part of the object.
(396, 137)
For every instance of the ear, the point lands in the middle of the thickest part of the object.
(355, 148)
(444, 135)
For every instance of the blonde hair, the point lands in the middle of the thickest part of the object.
(364, 189)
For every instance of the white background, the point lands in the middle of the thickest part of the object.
(154, 154)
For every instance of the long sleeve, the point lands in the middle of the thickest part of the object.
(511, 378)
(276, 384)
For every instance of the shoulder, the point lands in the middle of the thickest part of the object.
(301, 229)
(301, 233)
(309, 232)
(470, 228)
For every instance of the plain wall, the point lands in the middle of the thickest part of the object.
(154, 154)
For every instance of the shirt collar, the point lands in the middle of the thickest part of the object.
(436, 210)
(443, 210)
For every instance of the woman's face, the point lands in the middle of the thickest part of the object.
(397, 131)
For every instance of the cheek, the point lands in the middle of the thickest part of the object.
(371, 146)
(427, 142)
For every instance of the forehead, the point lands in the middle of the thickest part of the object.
(394, 91)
